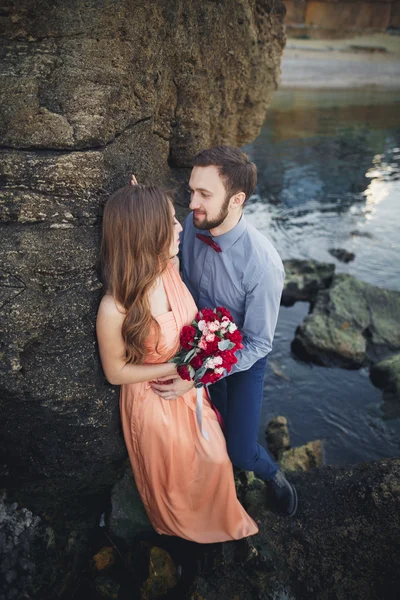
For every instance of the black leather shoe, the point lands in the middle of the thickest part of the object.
(283, 494)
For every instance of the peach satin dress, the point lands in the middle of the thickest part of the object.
(186, 482)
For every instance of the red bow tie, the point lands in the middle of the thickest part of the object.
(210, 242)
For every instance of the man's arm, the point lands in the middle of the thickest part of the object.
(261, 315)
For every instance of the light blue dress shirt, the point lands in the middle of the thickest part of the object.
(246, 277)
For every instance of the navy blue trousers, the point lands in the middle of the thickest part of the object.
(238, 398)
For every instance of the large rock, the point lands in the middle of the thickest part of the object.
(89, 91)
(352, 324)
(386, 375)
(342, 543)
(304, 279)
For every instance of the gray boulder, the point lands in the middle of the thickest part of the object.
(352, 324)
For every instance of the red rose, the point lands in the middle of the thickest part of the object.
(235, 338)
(224, 312)
(196, 362)
(188, 334)
(228, 359)
(210, 377)
(183, 372)
(212, 347)
(207, 315)
(202, 355)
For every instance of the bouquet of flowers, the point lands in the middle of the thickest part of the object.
(208, 347)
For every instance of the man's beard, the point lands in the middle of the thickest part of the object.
(208, 224)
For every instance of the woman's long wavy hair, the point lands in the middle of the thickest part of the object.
(138, 230)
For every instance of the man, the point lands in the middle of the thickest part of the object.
(227, 262)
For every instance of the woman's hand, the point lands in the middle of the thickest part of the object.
(170, 388)
(133, 180)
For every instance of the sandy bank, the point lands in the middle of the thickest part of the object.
(363, 61)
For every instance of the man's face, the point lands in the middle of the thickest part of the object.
(208, 198)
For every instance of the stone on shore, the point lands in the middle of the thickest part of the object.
(300, 458)
(162, 575)
(277, 435)
(351, 324)
(303, 458)
(386, 375)
(304, 279)
(342, 254)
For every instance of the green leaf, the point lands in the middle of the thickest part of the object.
(200, 372)
(225, 345)
(190, 355)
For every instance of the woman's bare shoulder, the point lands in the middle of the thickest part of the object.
(109, 307)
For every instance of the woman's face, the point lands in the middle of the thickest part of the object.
(174, 248)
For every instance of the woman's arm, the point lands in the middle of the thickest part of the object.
(112, 349)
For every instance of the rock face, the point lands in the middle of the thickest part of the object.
(89, 91)
(351, 325)
(342, 543)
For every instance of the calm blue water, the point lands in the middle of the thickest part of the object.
(329, 176)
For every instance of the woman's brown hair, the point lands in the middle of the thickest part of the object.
(138, 230)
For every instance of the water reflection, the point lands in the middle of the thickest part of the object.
(329, 177)
(332, 179)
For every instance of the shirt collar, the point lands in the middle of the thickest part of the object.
(226, 240)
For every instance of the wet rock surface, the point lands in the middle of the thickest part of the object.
(342, 543)
(351, 324)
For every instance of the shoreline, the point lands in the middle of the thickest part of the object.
(362, 62)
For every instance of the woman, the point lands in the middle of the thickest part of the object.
(186, 482)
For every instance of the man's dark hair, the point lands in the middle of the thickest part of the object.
(235, 168)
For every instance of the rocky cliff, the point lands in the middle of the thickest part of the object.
(89, 91)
